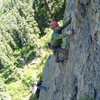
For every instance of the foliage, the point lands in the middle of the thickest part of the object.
(85, 97)
(17, 90)
(32, 97)
(18, 28)
(2, 86)
(46, 11)
(23, 45)
(4, 96)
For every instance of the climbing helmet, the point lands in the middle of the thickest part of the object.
(53, 24)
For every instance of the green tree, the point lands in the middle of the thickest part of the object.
(47, 10)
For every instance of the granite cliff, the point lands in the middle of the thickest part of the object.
(80, 74)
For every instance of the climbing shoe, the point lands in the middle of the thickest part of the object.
(60, 60)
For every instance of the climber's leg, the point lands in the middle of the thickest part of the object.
(43, 88)
(63, 53)
(56, 56)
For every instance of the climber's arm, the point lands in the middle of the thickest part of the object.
(59, 36)
(66, 24)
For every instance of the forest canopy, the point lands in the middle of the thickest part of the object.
(24, 33)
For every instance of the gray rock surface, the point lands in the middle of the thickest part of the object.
(81, 72)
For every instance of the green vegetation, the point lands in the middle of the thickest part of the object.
(47, 10)
(85, 97)
(24, 34)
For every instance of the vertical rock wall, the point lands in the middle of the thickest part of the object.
(80, 74)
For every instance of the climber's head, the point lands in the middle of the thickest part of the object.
(54, 25)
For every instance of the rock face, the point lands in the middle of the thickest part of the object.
(80, 74)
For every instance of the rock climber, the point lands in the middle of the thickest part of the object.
(37, 87)
(40, 86)
(56, 39)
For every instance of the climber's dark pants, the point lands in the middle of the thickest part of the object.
(60, 51)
